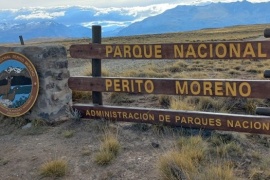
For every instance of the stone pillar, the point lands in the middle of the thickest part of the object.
(52, 68)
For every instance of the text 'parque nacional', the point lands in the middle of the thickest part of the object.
(238, 50)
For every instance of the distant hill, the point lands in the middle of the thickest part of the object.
(214, 15)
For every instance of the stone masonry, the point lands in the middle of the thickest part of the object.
(52, 68)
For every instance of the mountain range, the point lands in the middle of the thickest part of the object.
(76, 22)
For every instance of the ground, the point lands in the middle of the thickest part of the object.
(22, 152)
(25, 150)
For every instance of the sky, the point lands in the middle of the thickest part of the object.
(17, 4)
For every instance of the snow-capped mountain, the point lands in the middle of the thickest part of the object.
(43, 29)
(76, 22)
(68, 22)
(214, 15)
(13, 69)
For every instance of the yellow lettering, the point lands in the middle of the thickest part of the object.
(108, 83)
(137, 51)
(195, 85)
(183, 120)
(218, 89)
(211, 50)
(229, 123)
(87, 113)
(260, 54)
(139, 82)
(245, 126)
(181, 89)
(212, 122)
(116, 85)
(108, 50)
(178, 52)
(237, 124)
(177, 118)
(127, 52)
(246, 86)
(149, 86)
(117, 52)
(235, 50)
(190, 120)
(158, 53)
(191, 51)
(249, 51)
(125, 86)
(218, 122)
(229, 89)
(204, 55)
(257, 125)
(149, 55)
(207, 86)
(221, 50)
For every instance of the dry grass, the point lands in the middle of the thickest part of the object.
(82, 96)
(104, 157)
(88, 71)
(218, 171)
(54, 168)
(193, 159)
(68, 133)
(109, 149)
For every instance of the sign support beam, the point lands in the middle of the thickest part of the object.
(96, 63)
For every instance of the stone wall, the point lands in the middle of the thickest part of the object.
(52, 68)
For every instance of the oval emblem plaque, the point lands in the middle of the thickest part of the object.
(19, 84)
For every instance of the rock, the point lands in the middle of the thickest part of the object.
(51, 65)
(27, 126)
(155, 145)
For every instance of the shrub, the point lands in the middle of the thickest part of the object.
(174, 165)
(109, 149)
(104, 157)
(54, 168)
(68, 133)
(218, 171)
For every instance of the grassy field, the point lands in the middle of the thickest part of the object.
(140, 151)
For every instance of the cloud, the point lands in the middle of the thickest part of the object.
(39, 14)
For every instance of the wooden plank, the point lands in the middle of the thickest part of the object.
(190, 119)
(203, 50)
(169, 86)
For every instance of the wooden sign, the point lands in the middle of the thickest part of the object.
(19, 84)
(169, 86)
(189, 119)
(207, 50)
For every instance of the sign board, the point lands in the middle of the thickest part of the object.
(189, 119)
(19, 84)
(170, 86)
(204, 50)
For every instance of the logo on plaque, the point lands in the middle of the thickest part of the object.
(19, 84)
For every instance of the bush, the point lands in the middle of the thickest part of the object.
(54, 168)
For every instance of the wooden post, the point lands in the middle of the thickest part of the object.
(266, 74)
(265, 111)
(267, 33)
(21, 39)
(96, 64)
